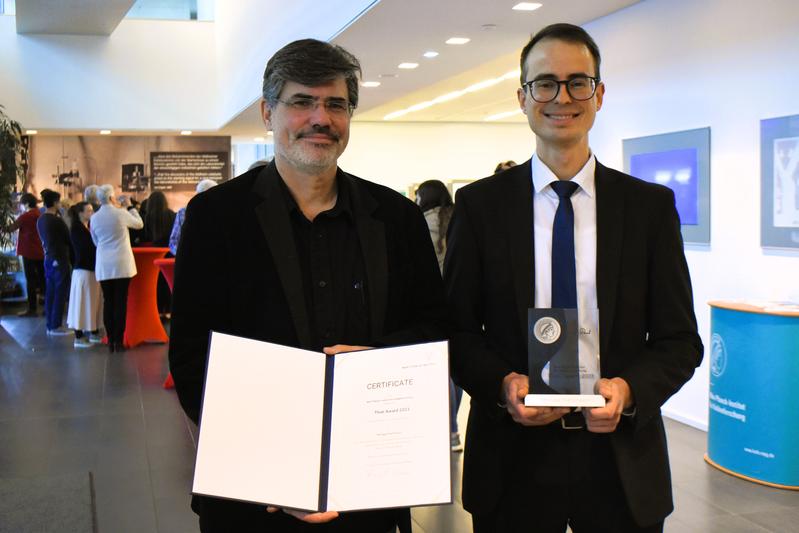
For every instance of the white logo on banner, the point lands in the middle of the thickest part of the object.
(718, 355)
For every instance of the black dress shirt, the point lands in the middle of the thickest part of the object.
(333, 272)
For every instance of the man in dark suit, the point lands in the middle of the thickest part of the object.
(302, 254)
(539, 469)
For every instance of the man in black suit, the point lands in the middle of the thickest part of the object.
(539, 469)
(302, 254)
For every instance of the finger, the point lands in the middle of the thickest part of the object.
(332, 350)
(272, 509)
(319, 518)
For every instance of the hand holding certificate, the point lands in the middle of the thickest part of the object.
(367, 430)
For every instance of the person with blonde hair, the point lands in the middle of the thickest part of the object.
(115, 265)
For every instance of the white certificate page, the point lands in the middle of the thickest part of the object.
(261, 423)
(390, 428)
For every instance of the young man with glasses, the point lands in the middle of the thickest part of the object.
(301, 253)
(564, 228)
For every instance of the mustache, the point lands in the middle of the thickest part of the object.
(319, 130)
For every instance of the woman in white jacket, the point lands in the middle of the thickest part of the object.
(115, 265)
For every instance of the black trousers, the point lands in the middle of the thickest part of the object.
(568, 477)
(34, 279)
(223, 516)
(115, 306)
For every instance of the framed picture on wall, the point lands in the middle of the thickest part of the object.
(779, 182)
(680, 161)
(454, 185)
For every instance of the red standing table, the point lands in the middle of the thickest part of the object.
(167, 267)
(143, 323)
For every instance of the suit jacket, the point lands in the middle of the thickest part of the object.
(237, 272)
(648, 332)
(109, 229)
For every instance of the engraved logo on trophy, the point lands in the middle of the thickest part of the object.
(547, 330)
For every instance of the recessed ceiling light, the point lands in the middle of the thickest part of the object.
(511, 75)
(500, 116)
(370, 84)
(526, 6)
(31, 132)
(259, 139)
(488, 27)
(430, 54)
(408, 66)
(387, 76)
(185, 132)
(457, 40)
(105, 132)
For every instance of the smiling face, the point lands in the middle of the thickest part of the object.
(563, 123)
(308, 140)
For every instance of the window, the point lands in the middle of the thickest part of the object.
(172, 10)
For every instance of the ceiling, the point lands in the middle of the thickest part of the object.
(71, 17)
(396, 31)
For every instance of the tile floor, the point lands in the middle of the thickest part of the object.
(90, 441)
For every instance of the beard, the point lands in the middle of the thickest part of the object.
(309, 157)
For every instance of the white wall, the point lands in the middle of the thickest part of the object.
(673, 65)
(212, 70)
(249, 32)
(398, 154)
(92, 82)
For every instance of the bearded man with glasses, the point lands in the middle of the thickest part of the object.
(564, 228)
(302, 254)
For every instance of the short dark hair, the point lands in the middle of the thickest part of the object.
(50, 197)
(310, 63)
(561, 32)
(28, 199)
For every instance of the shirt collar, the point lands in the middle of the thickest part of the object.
(343, 203)
(543, 176)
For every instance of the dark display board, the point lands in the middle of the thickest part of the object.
(182, 171)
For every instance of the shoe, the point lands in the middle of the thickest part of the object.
(95, 339)
(83, 342)
(455, 442)
(111, 346)
(59, 332)
(28, 313)
(119, 347)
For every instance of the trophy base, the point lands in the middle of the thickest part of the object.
(564, 400)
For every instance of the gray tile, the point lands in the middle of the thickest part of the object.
(777, 520)
(124, 501)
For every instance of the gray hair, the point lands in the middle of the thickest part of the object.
(204, 185)
(90, 194)
(105, 193)
(311, 63)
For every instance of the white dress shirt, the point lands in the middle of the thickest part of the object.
(545, 203)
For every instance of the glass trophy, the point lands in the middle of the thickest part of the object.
(563, 358)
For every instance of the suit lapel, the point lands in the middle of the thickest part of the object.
(610, 234)
(372, 237)
(273, 217)
(519, 195)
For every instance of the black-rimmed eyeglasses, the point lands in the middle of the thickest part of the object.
(334, 106)
(545, 90)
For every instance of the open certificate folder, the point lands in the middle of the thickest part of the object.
(299, 429)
